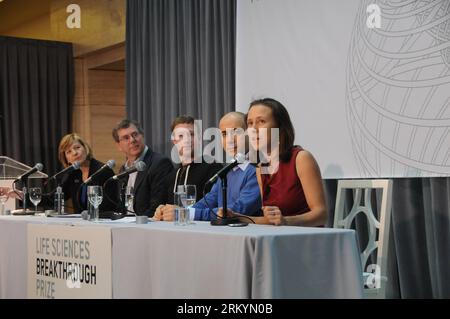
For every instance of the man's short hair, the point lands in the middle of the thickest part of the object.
(183, 119)
(241, 117)
(125, 123)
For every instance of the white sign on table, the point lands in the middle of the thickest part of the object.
(69, 262)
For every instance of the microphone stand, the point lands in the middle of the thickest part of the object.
(24, 183)
(121, 209)
(51, 194)
(109, 214)
(224, 221)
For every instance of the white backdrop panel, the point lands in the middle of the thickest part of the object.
(366, 102)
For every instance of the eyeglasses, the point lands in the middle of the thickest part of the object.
(127, 138)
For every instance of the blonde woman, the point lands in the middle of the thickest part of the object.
(73, 148)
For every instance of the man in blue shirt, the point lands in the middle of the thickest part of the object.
(243, 194)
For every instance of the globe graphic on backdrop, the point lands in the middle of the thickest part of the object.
(398, 89)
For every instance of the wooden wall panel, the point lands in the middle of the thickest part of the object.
(106, 87)
(79, 80)
(107, 107)
(105, 117)
(99, 101)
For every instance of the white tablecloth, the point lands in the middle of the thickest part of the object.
(161, 260)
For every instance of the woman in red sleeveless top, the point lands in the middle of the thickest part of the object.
(291, 186)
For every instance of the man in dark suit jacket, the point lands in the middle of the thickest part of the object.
(150, 187)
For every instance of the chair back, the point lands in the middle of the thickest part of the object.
(374, 274)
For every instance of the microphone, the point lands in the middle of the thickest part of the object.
(238, 159)
(138, 166)
(37, 168)
(73, 167)
(109, 164)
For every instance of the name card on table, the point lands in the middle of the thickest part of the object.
(67, 261)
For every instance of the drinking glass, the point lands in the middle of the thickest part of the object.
(180, 210)
(95, 196)
(191, 195)
(129, 196)
(191, 198)
(3, 198)
(35, 197)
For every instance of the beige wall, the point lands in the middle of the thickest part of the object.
(99, 101)
(107, 101)
(102, 25)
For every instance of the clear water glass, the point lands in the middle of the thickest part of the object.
(179, 201)
(190, 200)
(35, 197)
(95, 197)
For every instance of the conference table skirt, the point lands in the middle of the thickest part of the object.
(161, 260)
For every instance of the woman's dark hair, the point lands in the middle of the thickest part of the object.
(283, 123)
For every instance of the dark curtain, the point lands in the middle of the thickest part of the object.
(36, 98)
(419, 250)
(180, 60)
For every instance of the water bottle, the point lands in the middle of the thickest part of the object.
(59, 201)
